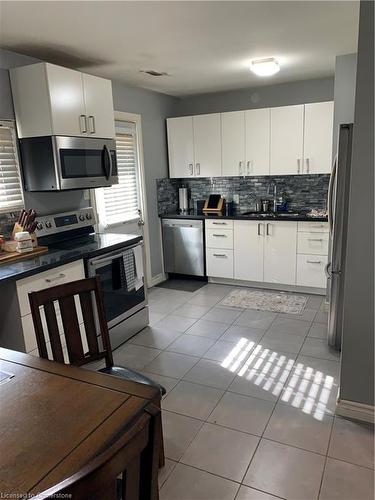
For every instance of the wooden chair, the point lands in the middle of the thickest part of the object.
(86, 290)
(134, 456)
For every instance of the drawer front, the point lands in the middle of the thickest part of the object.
(219, 263)
(57, 276)
(313, 243)
(313, 227)
(219, 238)
(310, 270)
(215, 223)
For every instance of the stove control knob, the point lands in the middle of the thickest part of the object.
(48, 224)
(39, 225)
(88, 216)
(81, 217)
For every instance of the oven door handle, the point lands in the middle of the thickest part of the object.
(103, 260)
(107, 163)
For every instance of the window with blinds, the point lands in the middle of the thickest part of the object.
(119, 203)
(11, 195)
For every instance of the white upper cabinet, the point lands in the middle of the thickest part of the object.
(181, 146)
(53, 100)
(257, 130)
(286, 140)
(318, 138)
(99, 106)
(207, 145)
(233, 143)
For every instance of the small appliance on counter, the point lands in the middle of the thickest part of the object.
(183, 200)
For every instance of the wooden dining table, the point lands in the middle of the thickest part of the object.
(55, 418)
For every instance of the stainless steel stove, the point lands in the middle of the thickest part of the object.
(117, 259)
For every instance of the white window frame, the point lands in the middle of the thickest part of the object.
(123, 116)
(12, 126)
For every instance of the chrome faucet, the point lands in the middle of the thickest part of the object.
(274, 208)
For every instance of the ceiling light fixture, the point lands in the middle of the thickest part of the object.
(265, 67)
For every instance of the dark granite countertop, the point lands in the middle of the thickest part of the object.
(64, 252)
(289, 216)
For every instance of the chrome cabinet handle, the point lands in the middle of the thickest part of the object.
(91, 121)
(83, 124)
(331, 186)
(191, 168)
(268, 229)
(220, 223)
(240, 168)
(219, 255)
(308, 165)
(220, 235)
(259, 226)
(299, 165)
(198, 169)
(314, 239)
(314, 261)
(248, 167)
(60, 276)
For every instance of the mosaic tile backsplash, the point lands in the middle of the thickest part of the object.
(303, 192)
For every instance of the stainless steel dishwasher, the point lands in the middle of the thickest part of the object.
(183, 246)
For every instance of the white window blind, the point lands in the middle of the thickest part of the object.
(119, 203)
(11, 196)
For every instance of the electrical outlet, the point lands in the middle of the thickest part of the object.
(236, 199)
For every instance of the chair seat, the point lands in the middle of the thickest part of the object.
(127, 374)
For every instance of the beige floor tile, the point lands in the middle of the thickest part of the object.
(289, 326)
(353, 442)
(191, 310)
(344, 481)
(282, 342)
(221, 451)
(167, 382)
(178, 432)
(171, 364)
(318, 348)
(187, 483)
(221, 351)
(242, 413)
(176, 323)
(256, 319)
(191, 345)
(237, 332)
(222, 314)
(318, 330)
(134, 356)
(210, 329)
(158, 338)
(192, 400)
(292, 426)
(285, 471)
(165, 471)
(246, 493)
(210, 373)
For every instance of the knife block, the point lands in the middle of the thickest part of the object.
(18, 228)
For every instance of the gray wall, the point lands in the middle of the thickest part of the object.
(154, 108)
(357, 366)
(284, 94)
(344, 92)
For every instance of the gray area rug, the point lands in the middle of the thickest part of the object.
(266, 301)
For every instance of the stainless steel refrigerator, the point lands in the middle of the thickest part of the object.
(338, 208)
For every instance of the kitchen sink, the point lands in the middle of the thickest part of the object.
(277, 215)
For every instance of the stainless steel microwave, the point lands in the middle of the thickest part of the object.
(55, 163)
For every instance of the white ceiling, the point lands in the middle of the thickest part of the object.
(203, 46)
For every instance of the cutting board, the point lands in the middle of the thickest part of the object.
(10, 257)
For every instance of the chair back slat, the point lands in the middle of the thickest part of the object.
(53, 330)
(88, 292)
(85, 299)
(71, 328)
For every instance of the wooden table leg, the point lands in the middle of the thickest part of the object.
(149, 487)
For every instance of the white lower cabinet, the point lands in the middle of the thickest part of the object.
(310, 270)
(46, 279)
(248, 250)
(280, 248)
(219, 263)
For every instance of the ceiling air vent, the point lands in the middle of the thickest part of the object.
(152, 72)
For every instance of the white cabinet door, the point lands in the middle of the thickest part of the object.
(207, 145)
(286, 140)
(99, 106)
(248, 250)
(67, 101)
(233, 143)
(280, 249)
(318, 138)
(257, 133)
(219, 263)
(180, 146)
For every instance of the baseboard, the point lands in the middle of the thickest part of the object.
(269, 286)
(356, 411)
(155, 280)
